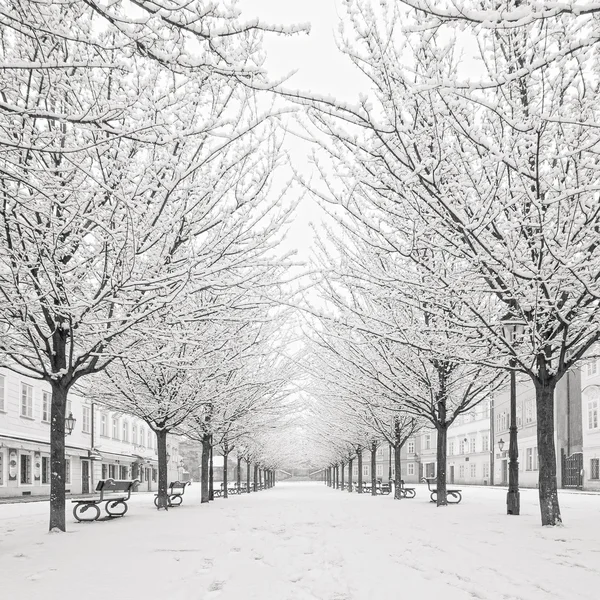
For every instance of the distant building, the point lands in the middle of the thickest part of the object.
(103, 444)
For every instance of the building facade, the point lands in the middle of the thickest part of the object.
(103, 443)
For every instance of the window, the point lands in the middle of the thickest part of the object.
(380, 451)
(451, 448)
(595, 468)
(379, 470)
(134, 439)
(461, 471)
(430, 470)
(593, 414)
(1, 467)
(485, 442)
(411, 468)
(112, 471)
(103, 427)
(486, 470)
(125, 437)
(26, 469)
(531, 459)
(26, 401)
(473, 470)
(461, 446)
(68, 471)
(2, 380)
(472, 445)
(592, 368)
(365, 470)
(45, 470)
(123, 472)
(142, 437)
(69, 408)
(46, 399)
(86, 419)
(355, 471)
(529, 411)
(486, 410)
(411, 446)
(428, 441)
(104, 471)
(115, 429)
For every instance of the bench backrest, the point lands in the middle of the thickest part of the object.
(115, 485)
(429, 481)
(177, 485)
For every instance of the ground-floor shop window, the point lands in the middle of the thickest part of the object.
(430, 470)
(104, 471)
(45, 470)
(112, 471)
(1, 467)
(123, 472)
(25, 469)
(595, 468)
(154, 475)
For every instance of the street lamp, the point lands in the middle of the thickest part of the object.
(500, 444)
(512, 329)
(70, 424)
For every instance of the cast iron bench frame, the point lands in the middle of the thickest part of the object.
(453, 496)
(108, 486)
(407, 492)
(175, 498)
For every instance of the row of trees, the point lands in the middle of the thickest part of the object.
(466, 184)
(138, 214)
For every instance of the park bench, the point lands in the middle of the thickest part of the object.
(407, 492)
(175, 493)
(87, 509)
(453, 496)
(383, 489)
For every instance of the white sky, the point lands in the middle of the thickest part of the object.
(320, 68)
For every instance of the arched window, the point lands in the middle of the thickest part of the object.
(125, 431)
(591, 400)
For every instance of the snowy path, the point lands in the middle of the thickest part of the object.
(306, 542)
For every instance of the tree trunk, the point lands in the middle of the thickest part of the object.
(57, 457)
(350, 461)
(548, 494)
(225, 472)
(247, 476)
(442, 437)
(255, 477)
(162, 500)
(397, 467)
(204, 476)
(373, 469)
(239, 474)
(211, 474)
(360, 480)
(343, 465)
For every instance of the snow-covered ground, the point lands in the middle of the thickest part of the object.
(304, 541)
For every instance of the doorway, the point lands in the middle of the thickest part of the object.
(148, 473)
(85, 476)
(451, 473)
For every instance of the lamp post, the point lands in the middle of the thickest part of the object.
(70, 424)
(512, 329)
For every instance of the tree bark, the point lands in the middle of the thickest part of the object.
(57, 457)
(397, 467)
(211, 474)
(373, 469)
(239, 474)
(548, 493)
(247, 476)
(162, 500)
(225, 472)
(350, 461)
(360, 480)
(343, 465)
(442, 437)
(204, 476)
(255, 477)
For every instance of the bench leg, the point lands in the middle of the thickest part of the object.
(454, 497)
(80, 509)
(116, 508)
(175, 500)
(433, 497)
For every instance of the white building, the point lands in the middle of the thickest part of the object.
(103, 444)
(590, 392)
